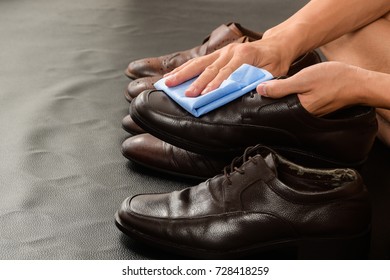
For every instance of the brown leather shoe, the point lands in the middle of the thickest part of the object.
(261, 202)
(220, 37)
(130, 126)
(137, 86)
(147, 150)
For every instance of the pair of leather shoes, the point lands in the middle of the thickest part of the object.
(343, 138)
(340, 139)
(147, 71)
(337, 140)
(218, 38)
(261, 202)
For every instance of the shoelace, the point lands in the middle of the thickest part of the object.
(240, 161)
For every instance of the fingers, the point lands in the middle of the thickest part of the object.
(188, 70)
(212, 69)
(213, 76)
(280, 88)
(219, 76)
(199, 85)
(212, 72)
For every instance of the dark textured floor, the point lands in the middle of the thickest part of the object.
(62, 175)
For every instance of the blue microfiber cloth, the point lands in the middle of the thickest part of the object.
(243, 80)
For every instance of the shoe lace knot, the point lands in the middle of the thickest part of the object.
(237, 162)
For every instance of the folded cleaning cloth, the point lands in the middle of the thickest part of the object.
(240, 82)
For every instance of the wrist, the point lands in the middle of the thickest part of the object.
(292, 39)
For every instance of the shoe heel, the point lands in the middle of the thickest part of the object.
(352, 248)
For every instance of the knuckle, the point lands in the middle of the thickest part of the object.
(244, 49)
(211, 69)
(226, 69)
(230, 47)
(194, 62)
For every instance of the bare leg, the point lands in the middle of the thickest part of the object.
(369, 48)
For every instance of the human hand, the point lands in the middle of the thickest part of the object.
(217, 66)
(322, 88)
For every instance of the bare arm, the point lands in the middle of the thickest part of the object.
(322, 21)
(317, 23)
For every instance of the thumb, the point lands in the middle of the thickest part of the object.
(278, 88)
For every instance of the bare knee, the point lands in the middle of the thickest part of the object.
(333, 50)
(366, 48)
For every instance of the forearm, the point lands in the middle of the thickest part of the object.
(322, 21)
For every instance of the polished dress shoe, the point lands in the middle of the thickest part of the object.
(261, 202)
(137, 86)
(148, 151)
(343, 138)
(158, 66)
(130, 126)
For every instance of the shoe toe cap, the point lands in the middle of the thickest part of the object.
(139, 85)
(155, 104)
(130, 126)
(142, 213)
(145, 149)
(145, 67)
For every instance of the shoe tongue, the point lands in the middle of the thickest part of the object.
(270, 160)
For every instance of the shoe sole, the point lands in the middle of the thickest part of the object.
(128, 97)
(344, 247)
(166, 171)
(130, 75)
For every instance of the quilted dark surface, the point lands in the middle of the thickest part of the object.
(62, 175)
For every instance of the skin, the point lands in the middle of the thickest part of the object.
(329, 86)
(350, 33)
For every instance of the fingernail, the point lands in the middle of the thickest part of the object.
(192, 91)
(206, 90)
(170, 80)
(263, 89)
